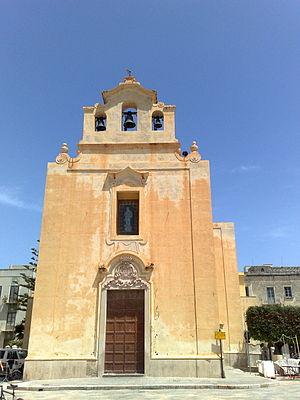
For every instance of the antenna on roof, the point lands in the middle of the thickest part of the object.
(129, 71)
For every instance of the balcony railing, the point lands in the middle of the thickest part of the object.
(9, 327)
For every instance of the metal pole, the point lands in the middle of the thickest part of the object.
(297, 344)
(221, 358)
(248, 354)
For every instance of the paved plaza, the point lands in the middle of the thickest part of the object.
(286, 390)
(237, 385)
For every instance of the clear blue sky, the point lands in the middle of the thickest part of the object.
(231, 67)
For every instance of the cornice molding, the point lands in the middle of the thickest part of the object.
(127, 175)
(132, 83)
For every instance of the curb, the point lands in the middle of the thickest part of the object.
(44, 388)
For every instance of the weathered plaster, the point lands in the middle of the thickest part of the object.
(177, 242)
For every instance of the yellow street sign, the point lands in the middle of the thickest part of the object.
(220, 335)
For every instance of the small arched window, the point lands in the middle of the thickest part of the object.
(100, 122)
(157, 121)
(129, 117)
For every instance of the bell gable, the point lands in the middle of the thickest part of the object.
(130, 113)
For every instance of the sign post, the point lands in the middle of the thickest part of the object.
(220, 335)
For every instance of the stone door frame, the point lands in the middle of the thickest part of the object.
(125, 272)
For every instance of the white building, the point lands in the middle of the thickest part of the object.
(10, 316)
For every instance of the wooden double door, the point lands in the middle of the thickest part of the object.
(124, 343)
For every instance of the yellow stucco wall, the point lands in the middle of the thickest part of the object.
(230, 310)
(194, 284)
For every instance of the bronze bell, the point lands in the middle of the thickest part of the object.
(157, 124)
(128, 121)
(100, 124)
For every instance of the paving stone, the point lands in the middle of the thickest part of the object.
(284, 391)
(237, 385)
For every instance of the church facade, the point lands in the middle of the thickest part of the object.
(134, 276)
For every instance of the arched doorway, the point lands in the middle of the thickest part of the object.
(125, 293)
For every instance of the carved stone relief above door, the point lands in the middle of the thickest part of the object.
(125, 277)
(127, 272)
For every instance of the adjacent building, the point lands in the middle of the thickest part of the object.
(272, 285)
(268, 284)
(134, 276)
(10, 316)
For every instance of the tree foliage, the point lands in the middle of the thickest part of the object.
(269, 322)
(28, 281)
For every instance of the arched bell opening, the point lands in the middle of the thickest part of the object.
(129, 117)
(100, 122)
(157, 121)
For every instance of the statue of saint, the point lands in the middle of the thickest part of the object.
(128, 214)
